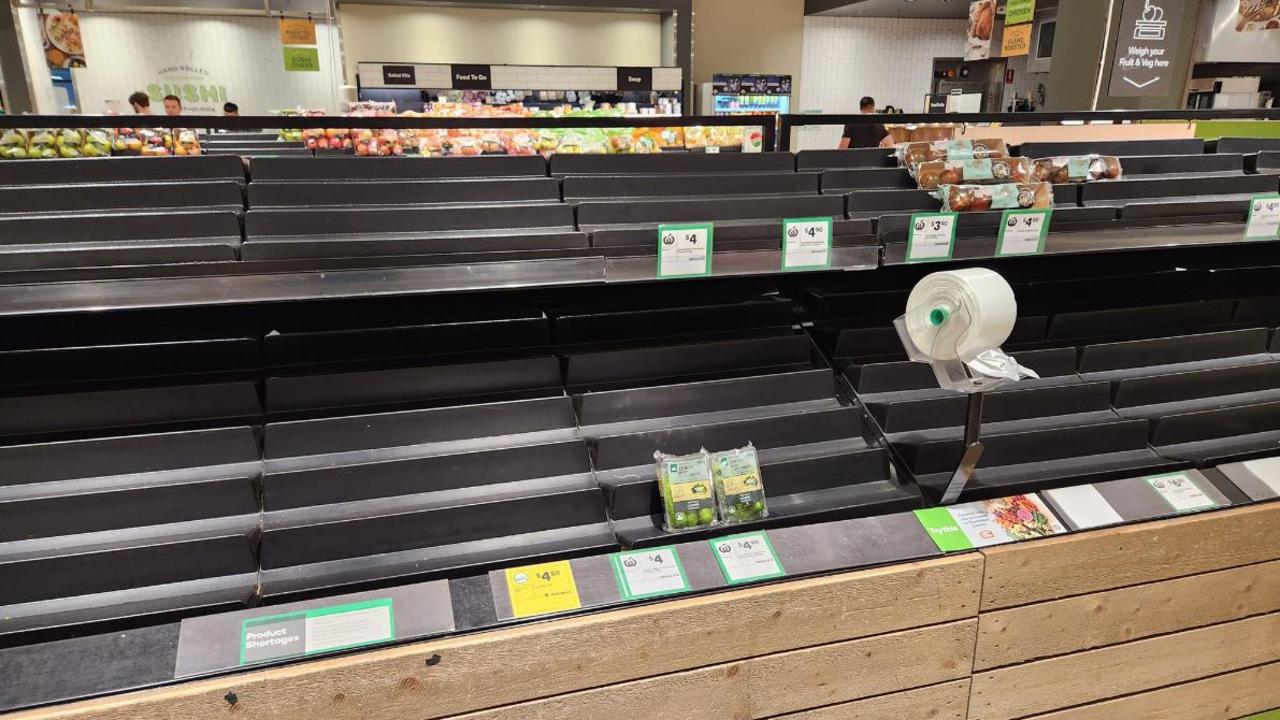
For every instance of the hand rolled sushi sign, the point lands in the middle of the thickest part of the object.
(1145, 56)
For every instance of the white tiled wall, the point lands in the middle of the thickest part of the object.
(890, 59)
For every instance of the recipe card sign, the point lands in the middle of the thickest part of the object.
(806, 243)
(685, 250)
(931, 237)
(1023, 232)
(746, 558)
(1264, 218)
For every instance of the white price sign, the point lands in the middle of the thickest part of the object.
(1181, 492)
(744, 558)
(1264, 218)
(1023, 232)
(931, 237)
(806, 243)
(649, 573)
(684, 250)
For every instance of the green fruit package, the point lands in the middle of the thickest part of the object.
(739, 484)
(687, 495)
(44, 144)
(13, 144)
(97, 142)
(69, 143)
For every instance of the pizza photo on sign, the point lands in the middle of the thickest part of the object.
(1258, 15)
(63, 46)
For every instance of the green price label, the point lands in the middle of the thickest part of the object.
(649, 573)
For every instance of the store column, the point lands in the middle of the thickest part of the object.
(17, 95)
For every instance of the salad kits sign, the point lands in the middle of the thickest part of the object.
(1143, 64)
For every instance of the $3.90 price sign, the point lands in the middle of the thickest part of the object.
(806, 243)
(649, 573)
(685, 250)
(931, 237)
(1264, 218)
(541, 589)
(1023, 232)
(746, 558)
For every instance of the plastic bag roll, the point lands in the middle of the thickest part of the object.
(959, 314)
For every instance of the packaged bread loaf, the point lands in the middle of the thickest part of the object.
(1010, 196)
(978, 171)
(913, 153)
(1077, 169)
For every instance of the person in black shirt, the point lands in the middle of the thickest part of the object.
(865, 135)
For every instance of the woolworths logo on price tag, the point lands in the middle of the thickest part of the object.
(1264, 218)
(276, 637)
(684, 250)
(931, 237)
(746, 558)
(649, 573)
(541, 589)
(806, 243)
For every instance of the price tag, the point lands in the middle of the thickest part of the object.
(745, 558)
(541, 589)
(713, 149)
(1181, 492)
(322, 630)
(806, 243)
(1023, 232)
(649, 573)
(931, 237)
(684, 250)
(1264, 218)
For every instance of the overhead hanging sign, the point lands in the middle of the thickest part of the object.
(635, 78)
(1146, 48)
(982, 23)
(1019, 11)
(63, 46)
(297, 31)
(1015, 41)
(302, 59)
(472, 77)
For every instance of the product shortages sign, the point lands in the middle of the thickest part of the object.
(1145, 48)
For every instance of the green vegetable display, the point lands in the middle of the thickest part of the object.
(739, 484)
(686, 487)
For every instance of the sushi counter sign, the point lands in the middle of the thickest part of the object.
(199, 91)
(1146, 48)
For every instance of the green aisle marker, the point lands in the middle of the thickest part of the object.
(806, 243)
(685, 250)
(1023, 232)
(931, 237)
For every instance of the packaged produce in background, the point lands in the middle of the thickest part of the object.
(688, 498)
(979, 171)
(548, 140)
(739, 484)
(98, 142)
(69, 142)
(127, 142)
(521, 142)
(1078, 169)
(726, 136)
(327, 139)
(977, 198)
(619, 140)
(657, 139)
(377, 143)
(156, 142)
(43, 144)
(294, 134)
(14, 144)
(913, 153)
(186, 142)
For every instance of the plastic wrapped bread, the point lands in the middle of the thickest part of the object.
(1010, 196)
(1077, 169)
(978, 171)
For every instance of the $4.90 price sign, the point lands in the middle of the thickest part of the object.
(746, 558)
(1023, 232)
(541, 589)
(931, 237)
(806, 243)
(649, 573)
(1264, 218)
(684, 250)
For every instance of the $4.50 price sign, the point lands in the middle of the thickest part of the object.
(1023, 232)
(541, 589)
(1264, 218)
(649, 573)
(685, 250)
(806, 243)
(931, 237)
(746, 558)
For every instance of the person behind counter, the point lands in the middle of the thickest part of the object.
(230, 110)
(172, 105)
(868, 135)
(140, 103)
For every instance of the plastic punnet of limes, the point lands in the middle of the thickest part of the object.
(739, 484)
(13, 144)
(688, 498)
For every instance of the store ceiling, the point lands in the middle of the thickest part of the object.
(889, 8)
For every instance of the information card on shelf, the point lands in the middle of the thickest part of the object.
(277, 637)
(1023, 232)
(806, 243)
(1181, 492)
(649, 573)
(1264, 218)
(542, 589)
(931, 237)
(685, 250)
(989, 522)
(746, 558)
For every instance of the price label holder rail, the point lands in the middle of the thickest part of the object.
(1148, 497)
(1258, 479)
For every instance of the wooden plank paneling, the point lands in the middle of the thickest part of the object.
(948, 701)
(770, 685)
(1058, 567)
(1224, 697)
(531, 661)
(1086, 677)
(1057, 627)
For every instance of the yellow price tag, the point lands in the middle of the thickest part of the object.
(541, 589)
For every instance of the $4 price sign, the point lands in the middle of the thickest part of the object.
(1264, 218)
(649, 573)
(745, 558)
(685, 250)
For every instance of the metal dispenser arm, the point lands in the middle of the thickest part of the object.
(972, 451)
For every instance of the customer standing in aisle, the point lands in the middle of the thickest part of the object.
(172, 105)
(868, 135)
